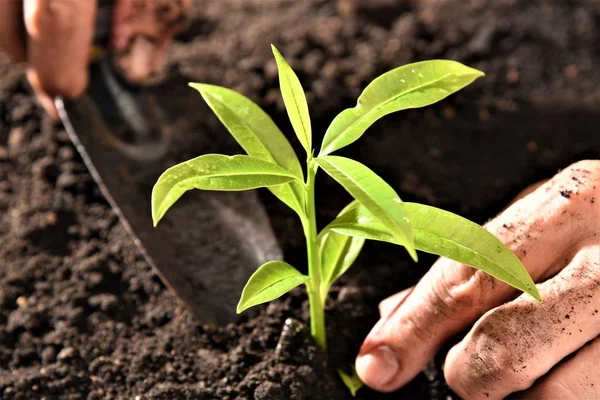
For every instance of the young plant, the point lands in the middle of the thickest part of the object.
(377, 213)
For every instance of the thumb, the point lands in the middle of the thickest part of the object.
(409, 333)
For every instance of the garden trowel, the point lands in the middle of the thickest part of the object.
(210, 243)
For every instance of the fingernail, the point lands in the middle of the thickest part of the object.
(378, 367)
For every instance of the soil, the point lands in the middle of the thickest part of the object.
(83, 316)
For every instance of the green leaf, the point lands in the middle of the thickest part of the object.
(374, 194)
(251, 127)
(258, 135)
(356, 220)
(294, 100)
(338, 253)
(270, 281)
(448, 235)
(352, 382)
(410, 86)
(214, 172)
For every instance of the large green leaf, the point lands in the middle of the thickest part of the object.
(338, 253)
(258, 135)
(446, 234)
(410, 86)
(373, 193)
(269, 281)
(214, 172)
(294, 100)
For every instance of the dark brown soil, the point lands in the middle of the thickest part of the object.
(83, 316)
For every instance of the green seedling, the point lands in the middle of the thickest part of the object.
(377, 213)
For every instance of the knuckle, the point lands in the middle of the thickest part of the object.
(486, 371)
(580, 181)
(461, 289)
(453, 294)
(500, 354)
(576, 193)
(478, 376)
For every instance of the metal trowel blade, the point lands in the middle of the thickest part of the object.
(209, 243)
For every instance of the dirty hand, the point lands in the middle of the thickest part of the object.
(512, 343)
(54, 38)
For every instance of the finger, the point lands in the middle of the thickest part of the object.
(539, 228)
(12, 32)
(576, 378)
(59, 40)
(512, 346)
(142, 31)
(391, 303)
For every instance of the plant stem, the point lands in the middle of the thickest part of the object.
(317, 317)
(315, 300)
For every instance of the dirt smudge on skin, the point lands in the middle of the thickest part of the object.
(515, 344)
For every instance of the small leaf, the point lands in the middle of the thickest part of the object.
(448, 235)
(338, 253)
(410, 86)
(352, 382)
(258, 135)
(250, 126)
(294, 100)
(374, 194)
(214, 172)
(270, 281)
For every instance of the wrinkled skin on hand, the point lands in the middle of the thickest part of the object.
(549, 350)
(54, 37)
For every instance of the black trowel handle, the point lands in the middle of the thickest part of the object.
(102, 30)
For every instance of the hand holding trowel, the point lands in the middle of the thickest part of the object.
(203, 253)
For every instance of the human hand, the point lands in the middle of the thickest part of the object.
(54, 39)
(513, 343)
